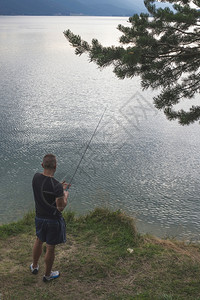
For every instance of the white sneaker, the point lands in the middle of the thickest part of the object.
(34, 270)
(53, 275)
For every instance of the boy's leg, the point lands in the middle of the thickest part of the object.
(49, 258)
(37, 251)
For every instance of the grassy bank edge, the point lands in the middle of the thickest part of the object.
(104, 251)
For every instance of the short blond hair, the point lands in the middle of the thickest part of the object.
(49, 161)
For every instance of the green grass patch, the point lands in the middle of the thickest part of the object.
(104, 258)
(22, 226)
(113, 232)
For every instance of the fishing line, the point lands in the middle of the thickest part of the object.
(85, 150)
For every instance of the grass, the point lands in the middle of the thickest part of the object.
(23, 226)
(104, 258)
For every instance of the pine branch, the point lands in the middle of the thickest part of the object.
(161, 51)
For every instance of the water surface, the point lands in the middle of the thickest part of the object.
(52, 100)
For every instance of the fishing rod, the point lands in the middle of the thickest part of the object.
(69, 184)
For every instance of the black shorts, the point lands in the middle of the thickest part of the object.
(51, 231)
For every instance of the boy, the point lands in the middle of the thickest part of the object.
(50, 200)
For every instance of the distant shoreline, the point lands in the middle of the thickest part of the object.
(71, 15)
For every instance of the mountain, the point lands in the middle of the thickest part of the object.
(68, 7)
(72, 7)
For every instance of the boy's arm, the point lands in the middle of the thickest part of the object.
(61, 202)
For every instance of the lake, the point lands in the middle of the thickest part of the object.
(51, 101)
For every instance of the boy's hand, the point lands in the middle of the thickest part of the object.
(65, 185)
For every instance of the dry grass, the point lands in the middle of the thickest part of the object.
(95, 264)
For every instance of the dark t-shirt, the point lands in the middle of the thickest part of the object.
(46, 190)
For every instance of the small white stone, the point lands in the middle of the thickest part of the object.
(130, 250)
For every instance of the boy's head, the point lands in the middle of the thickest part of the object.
(49, 161)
